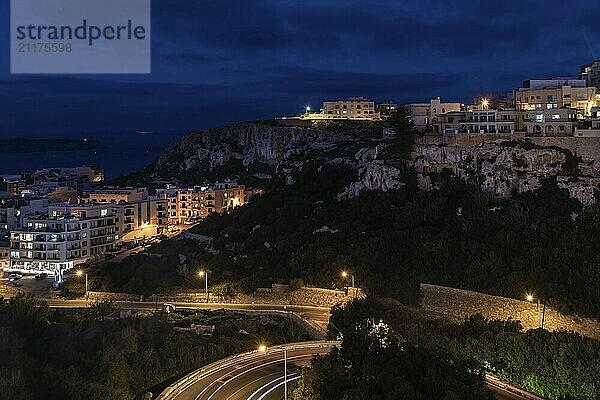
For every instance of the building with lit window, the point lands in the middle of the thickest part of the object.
(549, 94)
(426, 114)
(63, 239)
(188, 205)
(4, 255)
(387, 109)
(551, 122)
(357, 108)
(590, 73)
(13, 184)
(482, 121)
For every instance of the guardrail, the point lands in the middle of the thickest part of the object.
(494, 381)
(171, 392)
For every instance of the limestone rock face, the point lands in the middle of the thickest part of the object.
(267, 151)
(504, 169)
(374, 174)
(283, 147)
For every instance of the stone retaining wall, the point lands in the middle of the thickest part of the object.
(588, 148)
(458, 304)
(303, 296)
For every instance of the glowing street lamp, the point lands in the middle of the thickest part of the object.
(485, 103)
(205, 275)
(530, 298)
(263, 349)
(81, 273)
(345, 274)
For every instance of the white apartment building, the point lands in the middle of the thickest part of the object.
(426, 114)
(481, 121)
(141, 215)
(62, 240)
(357, 108)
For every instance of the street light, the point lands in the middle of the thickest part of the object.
(346, 274)
(485, 103)
(530, 298)
(263, 349)
(80, 273)
(205, 275)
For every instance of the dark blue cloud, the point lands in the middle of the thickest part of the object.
(219, 62)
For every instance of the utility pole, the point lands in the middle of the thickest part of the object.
(285, 374)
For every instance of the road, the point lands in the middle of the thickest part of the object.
(260, 376)
(252, 376)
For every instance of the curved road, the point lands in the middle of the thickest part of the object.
(260, 377)
(250, 376)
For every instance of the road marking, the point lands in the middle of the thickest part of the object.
(270, 383)
(251, 383)
(275, 387)
(255, 368)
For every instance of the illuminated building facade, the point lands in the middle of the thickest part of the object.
(60, 241)
(357, 108)
(188, 205)
(548, 94)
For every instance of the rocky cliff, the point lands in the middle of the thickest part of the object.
(506, 167)
(264, 151)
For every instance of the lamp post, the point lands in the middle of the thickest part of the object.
(205, 275)
(345, 275)
(530, 298)
(80, 273)
(263, 349)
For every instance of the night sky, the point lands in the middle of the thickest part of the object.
(219, 62)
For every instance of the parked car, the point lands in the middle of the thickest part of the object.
(41, 276)
(15, 283)
(14, 277)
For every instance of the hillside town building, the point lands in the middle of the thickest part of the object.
(427, 114)
(187, 205)
(357, 108)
